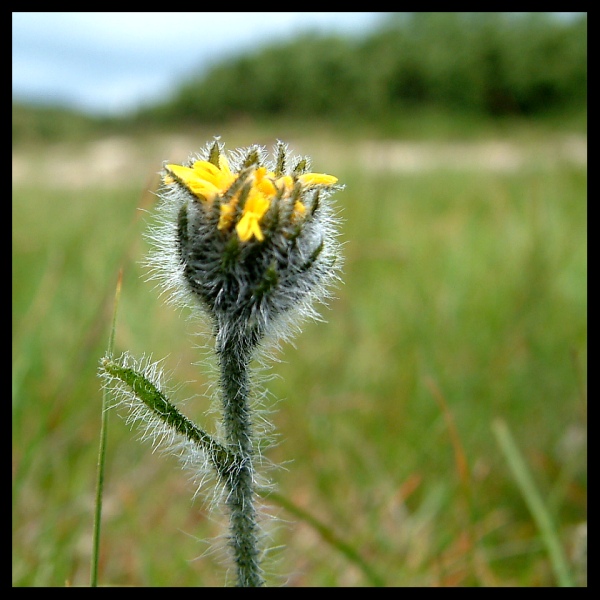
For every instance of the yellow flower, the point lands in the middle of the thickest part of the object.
(203, 179)
(256, 206)
(207, 181)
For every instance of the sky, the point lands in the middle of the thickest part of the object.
(112, 63)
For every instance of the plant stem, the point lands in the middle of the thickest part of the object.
(234, 358)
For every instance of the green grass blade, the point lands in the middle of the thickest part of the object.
(327, 534)
(534, 502)
(102, 449)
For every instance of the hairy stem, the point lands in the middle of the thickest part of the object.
(234, 359)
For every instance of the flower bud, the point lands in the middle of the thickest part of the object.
(253, 241)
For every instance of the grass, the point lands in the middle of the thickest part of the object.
(464, 301)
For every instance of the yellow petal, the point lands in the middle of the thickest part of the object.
(317, 179)
(263, 182)
(287, 181)
(243, 228)
(224, 164)
(199, 186)
(208, 171)
(256, 231)
(227, 213)
(180, 172)
(256, 204)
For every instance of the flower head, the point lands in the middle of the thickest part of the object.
(251, 239)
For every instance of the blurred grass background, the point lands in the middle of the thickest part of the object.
(465, 301)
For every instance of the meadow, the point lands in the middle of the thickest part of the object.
(463, 313)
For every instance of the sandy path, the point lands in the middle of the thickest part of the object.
(112, 161)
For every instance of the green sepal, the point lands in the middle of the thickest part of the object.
(237, 185)
(313, 257)
(300, 167)
(214, 154)
(252, 159)
(231, 253)
(314, 205)
(281, 156)
(269, 281)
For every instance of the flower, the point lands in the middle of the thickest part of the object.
(208, 181)
(253, 239)
(203, 178)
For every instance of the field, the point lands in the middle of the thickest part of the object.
(463, 314)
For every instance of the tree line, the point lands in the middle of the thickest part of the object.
(491, 64)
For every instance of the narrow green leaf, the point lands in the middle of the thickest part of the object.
(102, 448)
(534, 502)
(327, 534)
(223, 459)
